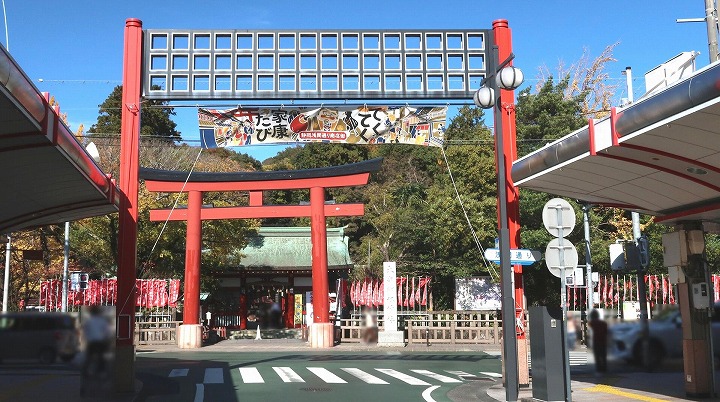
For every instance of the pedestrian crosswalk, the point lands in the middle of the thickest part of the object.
(577, 357)
(343, 375)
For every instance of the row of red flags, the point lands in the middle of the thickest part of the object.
(613, 290)
(148, 292)
(370, 292)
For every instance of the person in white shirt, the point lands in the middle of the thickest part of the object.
(96, 330)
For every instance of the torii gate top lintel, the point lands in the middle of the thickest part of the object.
(171, 176)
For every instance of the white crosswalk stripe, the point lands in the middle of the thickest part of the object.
(435, 376)
(213, 376)
(460, 374)
(326, 375)
(287, 374)
(403, 377)
(367, 377)
(178, 373)
(577, 358)
(251, 375)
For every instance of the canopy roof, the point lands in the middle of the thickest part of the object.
(47, 176)
(290, 248)
(659, 156)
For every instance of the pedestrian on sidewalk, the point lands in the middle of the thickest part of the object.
(97, 333)
(599, 341)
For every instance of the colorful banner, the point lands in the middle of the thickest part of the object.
(343, 125)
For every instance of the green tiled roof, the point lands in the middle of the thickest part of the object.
(291, 248)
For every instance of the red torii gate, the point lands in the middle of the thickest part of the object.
(316, 180)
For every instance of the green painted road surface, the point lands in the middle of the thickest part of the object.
(315, 376)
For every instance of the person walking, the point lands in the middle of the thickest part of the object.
(599, 341)
(96, 331)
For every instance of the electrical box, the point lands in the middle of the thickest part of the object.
(547, 348)
(674, 249)
(676, 275)
(617, 257)
(701, 295)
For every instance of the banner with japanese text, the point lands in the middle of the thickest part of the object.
(345, 125)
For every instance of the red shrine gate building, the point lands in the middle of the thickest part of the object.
(314, 180)
(275, 267)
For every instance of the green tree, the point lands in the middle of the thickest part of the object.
(155, 120)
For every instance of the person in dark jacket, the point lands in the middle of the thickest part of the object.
(599, 341)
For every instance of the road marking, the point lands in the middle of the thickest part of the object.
(213, 376)
(426, 394)
(614, 391)
(199, 393)
(367, 377)
(460, 374)
(251, 375)
(402, 377)
(439, 377)
(491, 374)
(178, 373)
(287, 374)
(326, 375)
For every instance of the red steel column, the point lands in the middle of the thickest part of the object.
(318, 236)
(503, 39)
(128, 218)
(191, 310)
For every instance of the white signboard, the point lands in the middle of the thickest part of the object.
(477, 293)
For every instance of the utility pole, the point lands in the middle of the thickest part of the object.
(712, 29)
(711, 22)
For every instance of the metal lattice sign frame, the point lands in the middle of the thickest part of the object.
(338, 64)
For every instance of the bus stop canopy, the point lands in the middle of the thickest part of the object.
(46, 176)
(658, 156)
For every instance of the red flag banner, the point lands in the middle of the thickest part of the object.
(174, 292)
(412, 293)
(400, 282)
(426, 285)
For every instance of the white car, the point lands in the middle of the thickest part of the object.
(665, 338)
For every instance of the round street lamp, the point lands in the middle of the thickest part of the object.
(485, 97)
(509, 78)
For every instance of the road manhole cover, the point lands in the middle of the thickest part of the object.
(315, 389)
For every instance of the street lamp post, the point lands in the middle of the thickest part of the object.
(506, 78)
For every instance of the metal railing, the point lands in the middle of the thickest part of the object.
(156, 333)
(439, 327)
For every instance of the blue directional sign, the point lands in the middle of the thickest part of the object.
(517, 256)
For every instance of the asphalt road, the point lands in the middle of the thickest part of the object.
(316, 376)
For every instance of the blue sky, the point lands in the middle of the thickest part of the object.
(75, 46)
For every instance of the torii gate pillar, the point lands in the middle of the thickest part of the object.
(321, 331)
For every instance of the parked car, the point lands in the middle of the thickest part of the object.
(35, 335)
(665, 338)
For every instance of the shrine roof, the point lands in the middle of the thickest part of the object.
(290, 248)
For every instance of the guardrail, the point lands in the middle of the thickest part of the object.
(446, 327)
(452, 327)
(156, 333)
